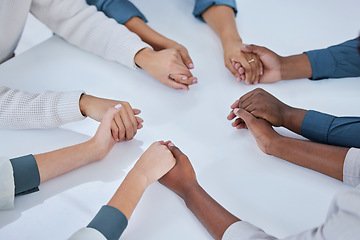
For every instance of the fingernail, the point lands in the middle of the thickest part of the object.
(261, 73)
(171, 144)
(117, 140)
(243, 77)
(256, 82)
(247, 83)
(194, 81)
(238, 79)
(191, 65)
(184, 78)
(236, 110)
(118, 106)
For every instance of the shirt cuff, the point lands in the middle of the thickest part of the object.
(351, 171)
(315, 126)
(26, 174)
(322, 62)
(110, 221)
(121, 11)
(244, 230)
(202, 5)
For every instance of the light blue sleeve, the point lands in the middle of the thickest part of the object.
(337, 61)
(120, 10)
(202, 5)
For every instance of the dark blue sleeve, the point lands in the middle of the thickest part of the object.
(202, 5)
(332, 130)
(110, 221)
(120, 10)
(337, 61)
(26, 174)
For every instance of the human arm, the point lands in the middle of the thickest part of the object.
(316, 126)
(182, 180)
(220, 16)
(112, 219)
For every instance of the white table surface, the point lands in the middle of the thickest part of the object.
(273, 194)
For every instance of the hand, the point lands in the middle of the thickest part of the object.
(182, 177)
(243, 65)
(170, 44)
(261, 104)
(262, 131)
(155, 162)
(271, 61)
(166, 66)
(102, 142)
(124, 124)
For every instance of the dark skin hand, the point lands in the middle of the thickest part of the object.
(322, 158)
(182, 180)
(263, 105)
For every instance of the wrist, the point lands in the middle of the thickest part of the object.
(275, 145)
(229, 39)
(94, 150)
(143, 56)
(295, 67)
(83, 103)
(190, 192)
(293, 118)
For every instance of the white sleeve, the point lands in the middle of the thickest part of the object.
(7, 185)
(20, 110)
(87, 234)
(343, 222)
(89, 29)
(351, 171)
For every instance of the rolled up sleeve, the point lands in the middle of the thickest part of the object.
(202, 5)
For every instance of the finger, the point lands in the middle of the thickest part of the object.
(253, 70)
(131, 115)
(260, 51)
(114, 131)
(235, 104)
(175, 151)
(180, 78)
(139, 122)
(129, 132)
(109, 115)
(246, 96)
(231, 115)
(248, 69)
(241, 71)
(232, 69)
(186, 58)
(245, 115)
(176, 85)
(258, 69)
(136, 111)
(120, 127)
(237, 122)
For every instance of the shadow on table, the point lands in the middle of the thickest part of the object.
(113, 167)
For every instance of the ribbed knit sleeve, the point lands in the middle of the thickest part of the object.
(7, 185)
(89, 29)
(21, 110)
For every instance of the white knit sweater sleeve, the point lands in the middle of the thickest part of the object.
(7, 185)
(20, 110)
(89, 29)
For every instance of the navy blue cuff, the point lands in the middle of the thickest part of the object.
(26, 174)
(345, 132)
(322, 62)
(202, 5)
(120, 10)
(110, 221)
(316, 125)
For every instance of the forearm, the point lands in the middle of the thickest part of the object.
(211, 214)
(222, 20)
(325, 159)
(293, 119)
(129, 193)
(58, 162)
(295, 67)
(147, 34)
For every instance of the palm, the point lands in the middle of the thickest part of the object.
(271, 63)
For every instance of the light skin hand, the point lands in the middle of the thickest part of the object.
(166, 66)
(222, 20)
(156, 40)
(152, 165)
(58, 162)
(182, 180)
(322, 158)
(124, 124)
(262, 104)
(278, 68)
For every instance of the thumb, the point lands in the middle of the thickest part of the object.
(244, 115)
(186, 59)
(109, 115)
(253, 49)
(175, 151)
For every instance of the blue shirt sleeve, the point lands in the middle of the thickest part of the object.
(332, 130)
(26, 174)
(337, 61)
(120, 10)
(202, 5)
(110, 221)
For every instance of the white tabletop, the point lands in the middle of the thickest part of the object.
(273, 194)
